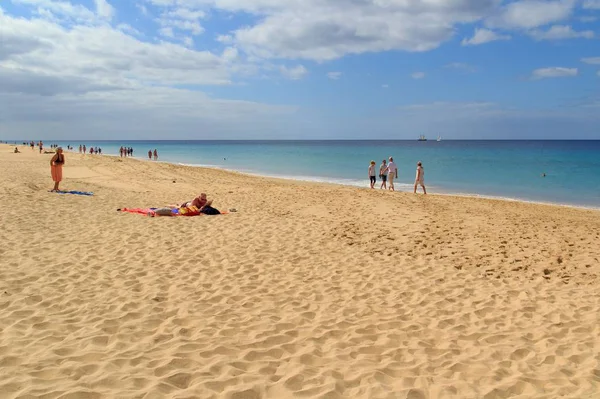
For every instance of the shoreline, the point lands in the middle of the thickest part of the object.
(588, 203)
(316, 180)
(419, 192)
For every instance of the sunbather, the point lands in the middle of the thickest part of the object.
(199, 202)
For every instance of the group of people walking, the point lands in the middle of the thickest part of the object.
(126, 152)
(388, 171)
(93, 150)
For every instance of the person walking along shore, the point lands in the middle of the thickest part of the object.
(383, 174)
(420, 178)
(372, 177)
(392, 173)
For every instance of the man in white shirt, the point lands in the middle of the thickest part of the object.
(392, 172)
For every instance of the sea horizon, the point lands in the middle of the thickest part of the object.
(20, 141)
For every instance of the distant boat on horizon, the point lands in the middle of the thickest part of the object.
(439, 138)
(422, 138)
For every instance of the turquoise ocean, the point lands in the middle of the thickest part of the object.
(504, 169)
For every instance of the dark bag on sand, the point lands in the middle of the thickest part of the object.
(209, 210)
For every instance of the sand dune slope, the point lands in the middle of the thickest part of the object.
(309, 290)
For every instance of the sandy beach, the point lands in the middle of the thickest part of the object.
(307, 291)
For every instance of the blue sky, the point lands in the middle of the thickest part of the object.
(269, 69)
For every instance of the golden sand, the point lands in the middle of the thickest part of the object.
(309, 290)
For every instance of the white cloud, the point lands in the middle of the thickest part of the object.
(142, 112)
(230, 54)
(185, 13)
(102, 54)
(554, 72)
(385, 86)
(104, 9)
(60, 9)
(558, 32)
(142, 9)
(295, 73)
(417, 75)
(180, 22)
(185, 25)
(323, 30)
(529, 14)
(591, 4)
(126, 28)
(591, 60)
(328, 29)
(166, 32)
(225, 39)
(334, 75)
(588, 18)
(177, 19)
(483, 36)
(72, 77)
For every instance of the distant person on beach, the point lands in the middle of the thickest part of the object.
(41, 145)
(155, 155)
(372, 177)
(84, 149)
(17, 150)
(150, 155)
(420, 177)
(56, 164)
(382, 174)
(392, 173)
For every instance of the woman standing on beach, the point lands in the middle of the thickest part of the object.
(372, 177)
(56, 164)
(420, 178)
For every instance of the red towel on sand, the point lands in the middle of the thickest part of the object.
(141, 211)
(150, 212)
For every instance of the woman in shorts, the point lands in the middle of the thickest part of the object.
(372, 177)
(382, 174)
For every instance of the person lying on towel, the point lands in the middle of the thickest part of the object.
(196, 206)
